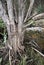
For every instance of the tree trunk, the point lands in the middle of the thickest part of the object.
(16, 39)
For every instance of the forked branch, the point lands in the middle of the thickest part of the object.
(36, 17)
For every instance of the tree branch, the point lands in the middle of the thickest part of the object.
(15, 12)
(20, 16)
(21, 9)
(27, 25)
(39, 16)
(10, 58)
(31, 17)
(3, 15)
(29, 10)
(11, 16)
(40, 29)
(38, 52)
(36, 23)
(5, 18)
(36, 17)
(10, 11)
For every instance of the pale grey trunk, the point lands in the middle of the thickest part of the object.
(16, 38)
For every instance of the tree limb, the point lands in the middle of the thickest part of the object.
(27, 25)
(10, 58)
(31, 17)
(10, 11)
(29, 10)
(5, 18)
(36, 23)
(11, 16)
(36, 17)
(21, 9)
(38, 52)
(40, 29)
(39, 16)
(3, 15)
(15, 11)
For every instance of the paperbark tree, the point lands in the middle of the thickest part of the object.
(15, 13)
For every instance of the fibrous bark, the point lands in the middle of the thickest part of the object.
(14, 17)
